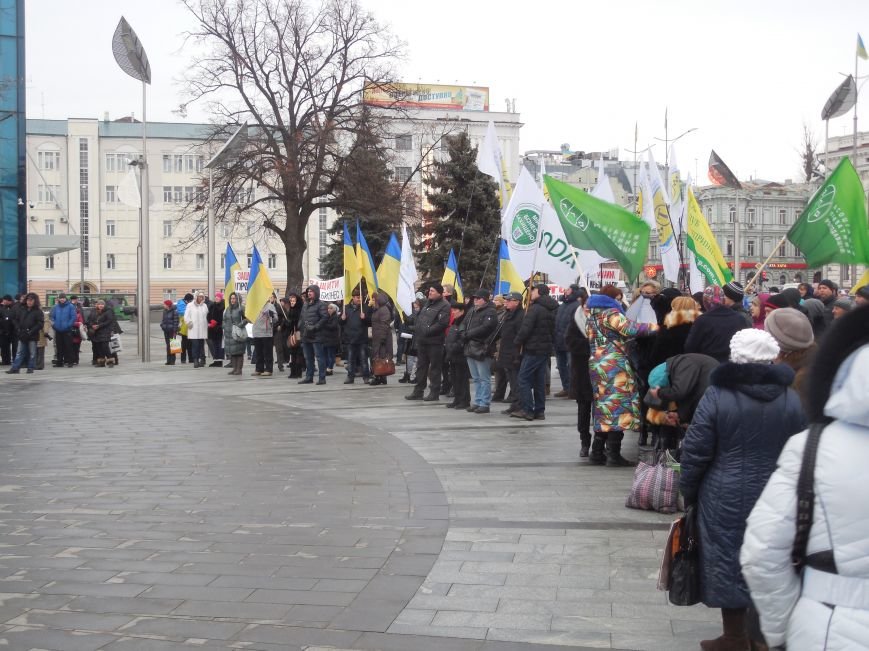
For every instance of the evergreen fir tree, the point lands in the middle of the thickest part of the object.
(462, 199)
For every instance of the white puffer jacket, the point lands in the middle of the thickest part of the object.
(824, 611)
(196, 316)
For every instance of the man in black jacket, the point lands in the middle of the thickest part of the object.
(508, 357)
(355, 321)
(535, 338)
(713, 330)
(313, 316)
(7, 330)
(430, 330)
(562, 319)
(29, 323)
(480, 329)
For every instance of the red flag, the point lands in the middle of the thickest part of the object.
(720, 174)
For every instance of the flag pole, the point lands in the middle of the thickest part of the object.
(766, 262)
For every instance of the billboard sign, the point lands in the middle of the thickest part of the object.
(427, 96)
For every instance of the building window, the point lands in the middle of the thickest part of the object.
(797, 214)
(110, 260)
(272, 261)
(113, 163)
(179, 163)
(84, 208)
(49, 227)
(653, 251)
(709, 214)
(767, 247)
(731, 214)
(167, 260)
(47, 194)
(200, 261)
(177, 194)
(797, 252)
(249, 260)
(167, 163)
(752, 216)
(110, 228)
(167, 194)
(189, 164)
(751, 246)
(223, 261)
(48, 160)
(783, 217)
(167, 229)
(728, 248)
(402, 174)
(188, 193)
(111, 193)
(49, 262)
(225, 230)
(404, 142)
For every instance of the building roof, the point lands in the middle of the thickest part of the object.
(163, 130)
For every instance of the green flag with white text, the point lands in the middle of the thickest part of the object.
(595, 225)
(833, 227)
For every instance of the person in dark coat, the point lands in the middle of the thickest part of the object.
(294, 314)
(355, 321)
(381, 333)
(430, 330)
(730, 450)
(215, 330)
(29, 322)
(563, 319)
(101, 324)
(331, 336)
(7, 330)
(280, 333)
(675, 329)
(311, 319)
(481, 326)
(169, 324)
(580, 380)
(234, 334)
(827, 292)
(454, 350)
(509, 357)
(535, 338)
(713, 330)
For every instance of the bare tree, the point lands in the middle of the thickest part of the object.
(294, 71)
(810, 164)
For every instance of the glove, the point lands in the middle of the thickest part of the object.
(212, 323)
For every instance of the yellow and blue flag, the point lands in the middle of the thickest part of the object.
(351, 265)
(230, 265)
(365, 261)
(451, 277)
(390, 268)
(507, 279)
(259, 288)
(861, 49)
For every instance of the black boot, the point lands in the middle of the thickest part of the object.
(596, 456)
(168, 360)
(614, 450)
(404, 379)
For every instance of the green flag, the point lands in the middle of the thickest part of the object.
(833, 227)
(593, 224)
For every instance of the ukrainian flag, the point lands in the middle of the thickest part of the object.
(861, 49)
(230, 265)
(451, 277)
(351, 265)
(508, 279)
(389, 269)
(259, 288)
(365, 261)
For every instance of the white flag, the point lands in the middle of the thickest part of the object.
(697, 282)
(406, 275)
(490, 161)
(665, 221)
(529, 219)
(128, 191)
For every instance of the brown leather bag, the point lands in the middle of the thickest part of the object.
(294, 339)
(382, 367)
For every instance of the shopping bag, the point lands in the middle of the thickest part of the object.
(684, 585)
(115, 344)
(655, 488)
(670, 550)
(174, 346)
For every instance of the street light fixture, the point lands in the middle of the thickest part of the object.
(131, 57)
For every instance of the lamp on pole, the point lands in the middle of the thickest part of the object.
(231, 149)
(131, 57)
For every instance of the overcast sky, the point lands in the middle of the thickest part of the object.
(745, 74)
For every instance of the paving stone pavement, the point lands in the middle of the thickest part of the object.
(154, 507)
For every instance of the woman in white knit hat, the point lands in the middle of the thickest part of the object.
(729, 452)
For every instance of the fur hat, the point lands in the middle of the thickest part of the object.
(753, 346)
(733, 290)
(791, 329)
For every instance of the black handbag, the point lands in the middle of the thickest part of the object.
(684, 587)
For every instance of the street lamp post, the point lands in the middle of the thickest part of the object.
(131, 57)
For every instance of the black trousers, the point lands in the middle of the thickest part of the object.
(513, 381)
(430, 361)
(583, 422)
(65, 353)
(6, 347)
(263, 347)
(460, 377)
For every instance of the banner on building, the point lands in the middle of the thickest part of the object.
(426, 96)
(331, 290)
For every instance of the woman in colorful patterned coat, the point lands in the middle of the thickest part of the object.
(616, 401)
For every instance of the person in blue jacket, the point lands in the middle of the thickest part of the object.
(63, 316)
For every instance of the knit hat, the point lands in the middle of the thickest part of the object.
(437, 287)
(790, 328)
(168, 303)
(733, 290)
(777, 301)
(843, 303)
(863, 292)
(712, 296)
(753, 346)
(826, 282)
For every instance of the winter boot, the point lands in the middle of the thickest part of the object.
(110, 362)
(168, 360)
(596, 456)
(614, 456)
(404, 379)
(101, 361)
(735, 637)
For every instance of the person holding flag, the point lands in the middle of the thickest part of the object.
(260, 311)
